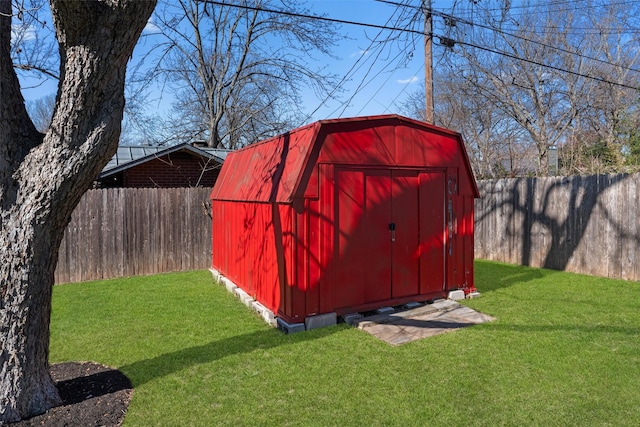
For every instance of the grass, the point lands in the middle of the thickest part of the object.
(565, 351)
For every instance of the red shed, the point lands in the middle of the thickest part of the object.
(346, 215)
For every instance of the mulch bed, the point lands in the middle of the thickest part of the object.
(92, 395)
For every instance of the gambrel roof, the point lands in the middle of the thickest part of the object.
(284, 167)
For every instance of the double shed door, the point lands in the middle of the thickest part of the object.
(390, 231)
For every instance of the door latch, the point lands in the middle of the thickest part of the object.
(392, 229)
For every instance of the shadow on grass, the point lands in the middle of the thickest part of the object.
(146, 370)
(491, 276)
(584, 328)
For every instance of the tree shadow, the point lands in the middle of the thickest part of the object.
(493, 276)
(598, 329)
(545, 227)
(143, 371)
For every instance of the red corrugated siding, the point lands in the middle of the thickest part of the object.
(302, 221)
(467, 233)
(254, 248)
(271, 170)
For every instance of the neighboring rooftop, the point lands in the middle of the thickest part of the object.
(130, 155)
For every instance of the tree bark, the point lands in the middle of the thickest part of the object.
(43, 177)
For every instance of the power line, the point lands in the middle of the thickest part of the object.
(304, 16)
(344, 104)
(552, 67)
(527, 7)
(412, 31)
(497, 30)
(363, 84)
(354, 68)
(583, 30)
(393, 101)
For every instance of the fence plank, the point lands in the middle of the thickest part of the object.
(633, 228)
(126, 232)
(582, 224)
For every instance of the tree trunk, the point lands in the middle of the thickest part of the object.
(42, 178)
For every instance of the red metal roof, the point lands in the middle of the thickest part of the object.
(267, 171)
(278, 169)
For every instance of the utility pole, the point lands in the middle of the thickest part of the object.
(428, 61)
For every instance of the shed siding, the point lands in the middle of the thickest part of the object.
(252, 254)
(346, 215)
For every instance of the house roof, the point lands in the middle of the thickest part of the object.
(129, 156)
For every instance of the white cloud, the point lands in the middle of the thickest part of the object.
(359, 53)
(410, 80)
(23, 33)
(151, 27)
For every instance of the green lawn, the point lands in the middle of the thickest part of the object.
(565, 350)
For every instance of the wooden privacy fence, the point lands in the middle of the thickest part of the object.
(584, 224)
(124, 232)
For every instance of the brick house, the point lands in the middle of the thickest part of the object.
(182, 165)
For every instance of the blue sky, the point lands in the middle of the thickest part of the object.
(382, 79)
(379, 80)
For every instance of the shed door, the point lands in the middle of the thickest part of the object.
(389, 235)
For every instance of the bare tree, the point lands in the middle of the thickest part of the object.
(611, 103)
(33, 48)
(34, 51)
(42, 178)
(555, 75)
(139, 126)
(237, 70)
(41, 111)
(495, 145)
(519, 73)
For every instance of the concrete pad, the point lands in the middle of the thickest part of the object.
(351, 318)
(244, 297)
(215, 273)
(223, 280)
(231, 287)
(321, 320)
(411, 305)
(445, 304)
(266, 314)
(422, 322)
(290, 328)
(456, 295)
(385, 310)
